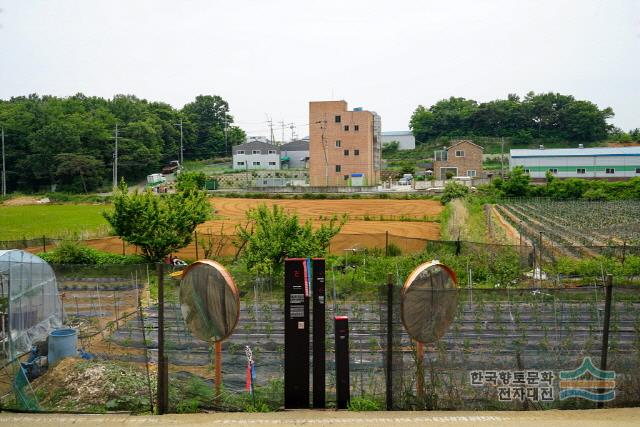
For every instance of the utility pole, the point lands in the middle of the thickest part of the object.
(270, 122)
(4, 168)
(282, 125)
(181, 146)
(292, 126)
(325, 149)
(226, 143)
(501, 157)
(115, 161)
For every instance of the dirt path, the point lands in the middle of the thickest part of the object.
(512, 235)
(553, 418)
(459, 217)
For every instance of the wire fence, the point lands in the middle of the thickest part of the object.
(211, 245)
(497, 335)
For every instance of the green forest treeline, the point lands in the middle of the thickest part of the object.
(70, 141)
(548, 116)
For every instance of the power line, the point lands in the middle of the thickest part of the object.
(323, 126)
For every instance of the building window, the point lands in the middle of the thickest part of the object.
(346, 152)
(356, 152)
(338, 168)
(346, 128)
(346, 177)
(272, 163)
(338, 119)
(240, 152)
(526, 171)
(356, 127)
(256, 163)
(471, 172)
(240, 163)
(272, 151)
(441, 156)
(610, 170)
(459, 153)
(581, 171)
(553, 171)
(338, 143)
(637, 170)
(256, 152)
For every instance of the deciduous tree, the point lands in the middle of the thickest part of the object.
(271, 235)
(157, 224)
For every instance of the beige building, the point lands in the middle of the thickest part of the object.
(344, 146)
(462, 158)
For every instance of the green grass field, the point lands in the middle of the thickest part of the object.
(66, 220)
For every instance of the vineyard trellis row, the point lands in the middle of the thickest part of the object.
(578, 222)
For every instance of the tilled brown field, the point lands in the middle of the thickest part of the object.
(356, 233)
(406, 221)
(355, 208)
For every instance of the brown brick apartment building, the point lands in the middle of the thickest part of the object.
(462, 158)
(344, 146)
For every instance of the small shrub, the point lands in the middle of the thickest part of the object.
(454, 190)
(363, 403)
(74, 253)
(393, 250)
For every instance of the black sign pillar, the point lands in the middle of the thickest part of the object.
(296, 334)
(342, 361)
(318, 333)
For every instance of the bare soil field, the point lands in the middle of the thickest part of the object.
(357, 233)
(312, 209)
(21, 201)
(407, 222)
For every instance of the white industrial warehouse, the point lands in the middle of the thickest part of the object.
(600, 162)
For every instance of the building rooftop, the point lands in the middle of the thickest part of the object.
(574, 152)
(298, 145)
(255, 145)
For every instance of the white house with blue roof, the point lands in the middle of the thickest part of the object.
(599, 162)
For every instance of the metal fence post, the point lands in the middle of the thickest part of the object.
(44, 244)
(389, 366)
(605, 328)
(386, 243)
(195, 238)
(163, 380)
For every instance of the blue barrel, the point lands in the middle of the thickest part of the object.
(62, 343)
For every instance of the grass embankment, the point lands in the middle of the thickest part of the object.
(209, 167)
(62, 221)
(464, 219)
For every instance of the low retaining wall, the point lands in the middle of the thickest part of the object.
(306, 189)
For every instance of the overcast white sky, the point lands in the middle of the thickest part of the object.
(272, 57)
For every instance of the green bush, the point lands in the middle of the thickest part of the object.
(453, 190)
(363, 403)
(190, 181)
(393, 250)
(74, 253)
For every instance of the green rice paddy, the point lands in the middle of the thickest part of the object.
(55, 220)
